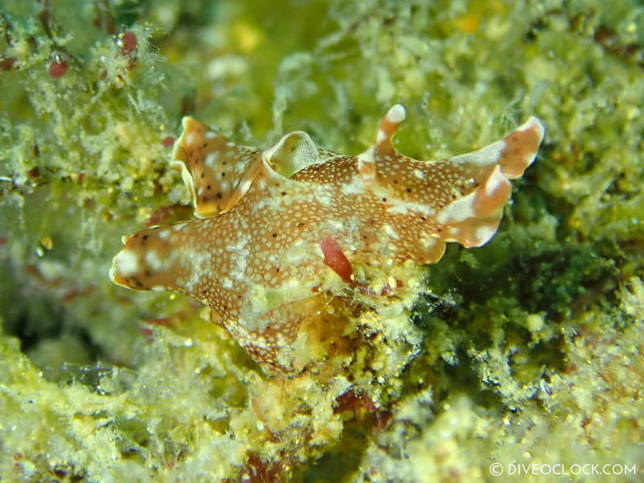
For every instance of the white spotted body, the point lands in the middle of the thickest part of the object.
(255, 257)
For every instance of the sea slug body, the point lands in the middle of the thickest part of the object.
(273, 227)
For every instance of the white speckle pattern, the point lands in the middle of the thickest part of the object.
(153, 260)
(396, 114)
(212, 158)
(255, 255)
(126, 262)
(483, 234)
(483, 157)
(494, 181)
(458, 210)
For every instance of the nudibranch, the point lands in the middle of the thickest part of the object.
(272, 227)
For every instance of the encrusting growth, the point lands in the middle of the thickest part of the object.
(276, 225)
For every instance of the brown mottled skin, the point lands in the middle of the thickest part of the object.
(255, 255)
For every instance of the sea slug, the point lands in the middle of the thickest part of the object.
(275, 228)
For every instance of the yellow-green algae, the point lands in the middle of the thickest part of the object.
(525, 351)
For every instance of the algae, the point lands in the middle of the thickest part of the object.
(525, 351)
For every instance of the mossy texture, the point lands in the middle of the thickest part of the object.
(527, 350)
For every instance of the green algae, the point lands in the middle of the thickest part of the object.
(523, 351)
